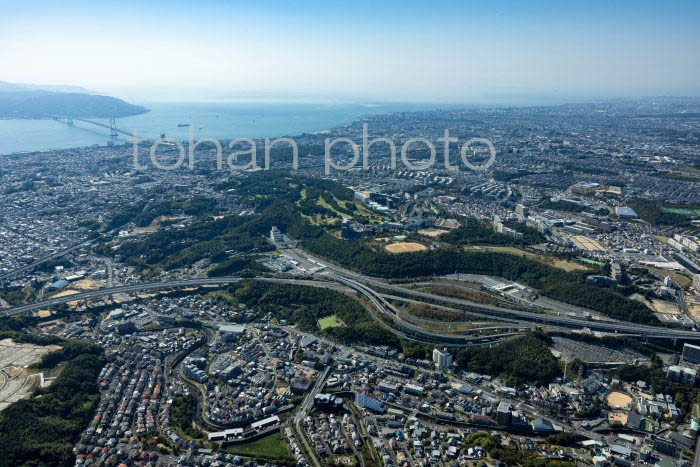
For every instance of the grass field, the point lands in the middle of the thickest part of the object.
(545, 259)
(405, 247)
(680, 279)
(432, 232)
(330, 322)
(272, 446)
(685, 212)
(223, 295)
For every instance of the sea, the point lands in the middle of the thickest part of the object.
(219, 120)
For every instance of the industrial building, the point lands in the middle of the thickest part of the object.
(370, 403)
(691, 353)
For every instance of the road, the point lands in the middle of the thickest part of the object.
(129, 288)
(408, 330)
(198, 391)
(620, 327)
(304, 409)
(380, 303)
(58, 254)
(366, 286)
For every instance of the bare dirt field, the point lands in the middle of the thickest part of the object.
(86, 284)
(15, 382)
(620, 418)
(405, 247)
(65, 293)
(432, 232)
(661, 306)
(618, 400)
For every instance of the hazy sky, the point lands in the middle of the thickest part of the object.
(458, 51)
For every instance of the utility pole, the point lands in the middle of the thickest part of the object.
(580, 378)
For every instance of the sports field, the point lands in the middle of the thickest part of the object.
(618, 400)
(329, 322)
(405, 247)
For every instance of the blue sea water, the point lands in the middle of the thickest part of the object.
(220, 120)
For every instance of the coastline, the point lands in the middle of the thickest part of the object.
(221, 121)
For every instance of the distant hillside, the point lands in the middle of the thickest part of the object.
(55, 88)
(25, 101)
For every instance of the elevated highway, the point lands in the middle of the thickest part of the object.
(129, 288)
(490, 311)
(379, 293)
(402, 328)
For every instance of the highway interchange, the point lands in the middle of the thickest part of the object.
(381, 294)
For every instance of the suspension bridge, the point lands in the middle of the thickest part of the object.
(114, 131)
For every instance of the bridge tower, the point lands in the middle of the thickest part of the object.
(69, 119)
(113, 126)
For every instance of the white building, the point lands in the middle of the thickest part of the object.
(442, 359)
(275, 234)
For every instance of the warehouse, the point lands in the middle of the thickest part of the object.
(265, 423)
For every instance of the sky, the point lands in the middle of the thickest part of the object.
(417, 51)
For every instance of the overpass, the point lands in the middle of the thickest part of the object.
(611, 326)
(405, 330)
(363, 285)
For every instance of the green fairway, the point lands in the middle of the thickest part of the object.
(329, 322)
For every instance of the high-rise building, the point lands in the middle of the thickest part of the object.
(442, 359)
(275, 234)
(522, 210)
(683, 374)
(503, 414)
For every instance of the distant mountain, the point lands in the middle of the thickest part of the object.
(9, 87)
(34, 101)
(55, 88)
